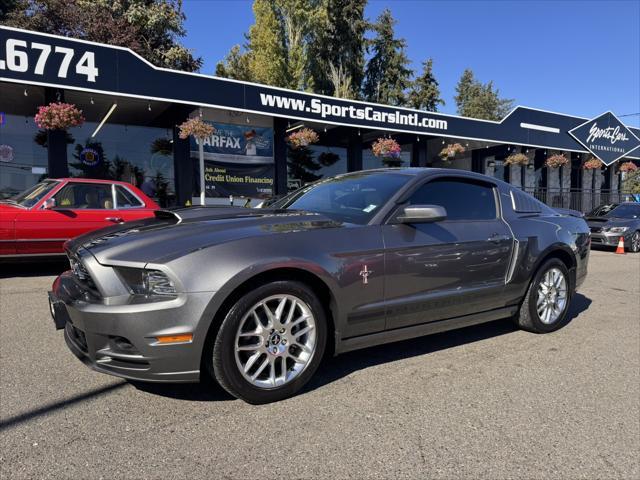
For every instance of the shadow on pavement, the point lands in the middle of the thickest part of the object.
(34, 268)
(335, 368)
(207, 391)
(61, 405)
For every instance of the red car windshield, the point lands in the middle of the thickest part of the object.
(33, 195)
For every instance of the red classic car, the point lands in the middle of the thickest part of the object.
(39, 220)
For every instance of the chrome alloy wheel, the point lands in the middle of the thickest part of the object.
(635, 242)
(275, 341)
(552, 296)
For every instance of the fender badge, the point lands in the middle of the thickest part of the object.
(364, 273)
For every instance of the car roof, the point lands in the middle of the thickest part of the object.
(87, 180)
(427, 171)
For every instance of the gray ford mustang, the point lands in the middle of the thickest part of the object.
(256, 297)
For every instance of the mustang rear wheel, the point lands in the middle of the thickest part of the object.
(270, 343)
(546, 303)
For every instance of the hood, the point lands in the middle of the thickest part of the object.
(8, 210)
(603, 221)
(175, 233)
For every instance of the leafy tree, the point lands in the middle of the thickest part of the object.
(387, 76)
(266, 45)
(425, 92)
(149, 27)
(5, 7)
(337, 48)
(235, 65)
(477, 100)
(631, 183)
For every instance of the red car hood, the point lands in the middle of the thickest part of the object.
(8, 211)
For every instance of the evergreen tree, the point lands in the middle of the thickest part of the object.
(266, 46)
(235, 65)
(337, 46)
(425, 91)
(149, 27)
(477, 100)
(387, 75)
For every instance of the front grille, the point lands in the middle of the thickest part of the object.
(595, 229)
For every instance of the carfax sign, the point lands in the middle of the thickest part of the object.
(606, 137)
(238, 161)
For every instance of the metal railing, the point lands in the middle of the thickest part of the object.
(577, 199)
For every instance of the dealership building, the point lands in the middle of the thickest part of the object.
(132, 110)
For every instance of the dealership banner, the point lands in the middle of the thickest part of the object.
(237, 143)
(238, 161)
(237, 179)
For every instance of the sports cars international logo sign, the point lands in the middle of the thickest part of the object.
(606, 137)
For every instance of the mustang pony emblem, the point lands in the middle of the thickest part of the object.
(364, 273)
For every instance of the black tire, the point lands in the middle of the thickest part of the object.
(634, 242)
(527, 318)
(220, 360)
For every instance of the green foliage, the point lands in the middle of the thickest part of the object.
(631, 183)
(387, 75)
(149, 27)
(337, 47)
(235, 65)
(477, 100)
(425, 91)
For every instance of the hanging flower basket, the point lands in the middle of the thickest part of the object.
(196, 128)
(628, 167)
(302, 138)
(387, 148)
(451, 150)
(592, 164)
(556, 160)
(58, 116)
(517, 159)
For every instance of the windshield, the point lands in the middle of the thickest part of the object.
(33, 195)
(624, 210)
(353, 198)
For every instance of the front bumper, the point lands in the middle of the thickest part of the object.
(606, 239)
(120, 338)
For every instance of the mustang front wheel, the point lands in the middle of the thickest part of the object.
(270, 342)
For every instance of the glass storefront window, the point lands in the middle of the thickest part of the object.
(308, 164)
(23, 155)
(142, 156)
(370, 161)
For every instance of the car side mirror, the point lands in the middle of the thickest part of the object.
(49, 204)
(422, 214)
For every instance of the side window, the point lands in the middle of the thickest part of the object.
(463, 200)
(125, 199)
(85, 196)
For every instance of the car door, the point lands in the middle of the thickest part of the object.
(451, 267)
(79, 207)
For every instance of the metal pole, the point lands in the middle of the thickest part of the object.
(201, 152)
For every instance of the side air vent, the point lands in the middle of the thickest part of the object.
(524, 203)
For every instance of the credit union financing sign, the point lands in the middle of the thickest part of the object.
(606, 137)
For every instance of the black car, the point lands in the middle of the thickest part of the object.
(611, 221)
(256, 297)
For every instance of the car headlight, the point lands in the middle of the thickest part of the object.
(147, 282)
(617, 229)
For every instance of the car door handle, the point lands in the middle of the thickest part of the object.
(496, 238)
(114, 219)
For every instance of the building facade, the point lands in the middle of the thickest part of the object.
(132, 111)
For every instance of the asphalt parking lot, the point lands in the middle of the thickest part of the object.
(487, 401)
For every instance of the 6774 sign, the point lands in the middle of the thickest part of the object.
(22, 56)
